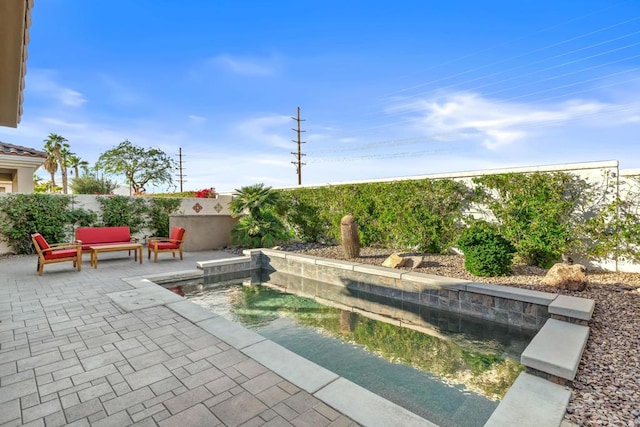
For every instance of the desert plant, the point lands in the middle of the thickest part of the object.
(350, 237)
(486, 252)
(258, 225)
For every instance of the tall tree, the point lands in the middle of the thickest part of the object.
(76, 163)
(140, 166)
(51, 166)
(57, 148)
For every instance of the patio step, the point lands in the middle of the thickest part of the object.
(556, 349)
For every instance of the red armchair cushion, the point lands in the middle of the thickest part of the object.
(41, 242)
(177, 233)
(62, 253)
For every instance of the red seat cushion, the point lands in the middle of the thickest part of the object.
(61, 253)
(164, 245)
(41, 242)
(176, 233)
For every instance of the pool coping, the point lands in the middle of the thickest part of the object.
(542, 355)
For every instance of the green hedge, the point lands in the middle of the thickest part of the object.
(421, 215)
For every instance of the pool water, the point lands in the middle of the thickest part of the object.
(452, 371)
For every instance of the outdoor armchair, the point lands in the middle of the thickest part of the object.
(59, 252)
(172, 244)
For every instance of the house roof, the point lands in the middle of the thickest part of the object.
(15, 20)
(17, 150)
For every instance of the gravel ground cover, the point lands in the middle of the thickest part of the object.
(606, 390)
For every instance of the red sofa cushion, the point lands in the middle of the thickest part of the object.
(102, 235)
(61, 253)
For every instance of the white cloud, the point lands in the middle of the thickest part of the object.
(248, 66)
(498, 123)
(43, 83)
(196, 119)
(273, 130)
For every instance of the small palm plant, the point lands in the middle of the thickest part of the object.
(258, 225)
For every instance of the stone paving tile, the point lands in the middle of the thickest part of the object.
(238, 409)
(272, 396)
(17, 377)
(194, 368)
(40, 411)
(116, 420)
(56, 419)
(187, 399)
(93, 374)
(73, 370)
(197, 415)
(55, 386)
(261, 382)
(301, 402)
(193, 381)
(146, 359)
(102, 359)
(277, 422)
(82, 410)
(57, 366)
(10, 411)
(310, 419)
(18, 390)
(146, 413)
(165, 385)
(94, 391)
(147, 376)
(8, 369)
(128, 400)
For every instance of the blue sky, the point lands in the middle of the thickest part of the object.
(387, 89)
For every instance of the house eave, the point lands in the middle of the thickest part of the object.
(15, 19)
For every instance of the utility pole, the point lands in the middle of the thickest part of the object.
(298, 163)
(181, 174)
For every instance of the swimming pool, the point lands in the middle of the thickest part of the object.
(446, 368)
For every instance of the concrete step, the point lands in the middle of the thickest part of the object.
(556, 349)
(531, 402)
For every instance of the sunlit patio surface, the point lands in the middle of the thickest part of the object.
(70, 355)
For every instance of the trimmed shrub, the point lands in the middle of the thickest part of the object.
(486, 252)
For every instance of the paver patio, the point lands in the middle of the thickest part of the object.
(70, 356)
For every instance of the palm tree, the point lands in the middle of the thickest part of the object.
(76, 163)
(51, 166)
(57, 147)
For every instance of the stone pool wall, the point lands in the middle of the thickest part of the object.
(511, 306)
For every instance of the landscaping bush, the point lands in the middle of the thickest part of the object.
(486, 252)
(258, 226)
(123, 210)
(25, 214)
(159, 211)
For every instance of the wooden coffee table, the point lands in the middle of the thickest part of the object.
(96, 249)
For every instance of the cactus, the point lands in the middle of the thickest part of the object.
(350, 238)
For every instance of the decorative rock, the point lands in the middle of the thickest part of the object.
(394, 261)
(412, 261)
(565, 276)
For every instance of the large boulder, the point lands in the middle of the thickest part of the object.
(566, 276)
